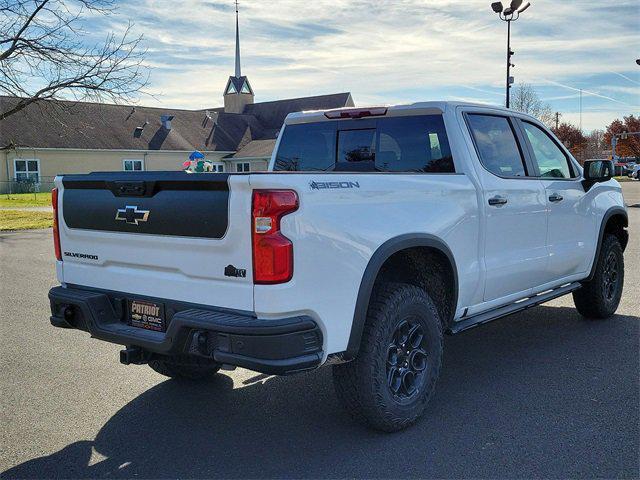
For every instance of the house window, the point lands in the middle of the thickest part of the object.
(243, 167)
(218, 167)
(133, 165)
(27, 170)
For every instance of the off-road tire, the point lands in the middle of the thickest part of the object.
(591, 300)
(193, 369)
(363, 386)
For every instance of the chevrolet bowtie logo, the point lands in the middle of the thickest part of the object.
(132, 215)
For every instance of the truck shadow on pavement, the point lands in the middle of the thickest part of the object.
(541, 394)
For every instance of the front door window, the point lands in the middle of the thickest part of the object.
(551, 161)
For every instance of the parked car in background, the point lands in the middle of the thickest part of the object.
(620, 169)
(634, 171)
(377, 231)
(628, 168)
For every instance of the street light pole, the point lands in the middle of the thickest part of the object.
(508, 102)
(509, 14)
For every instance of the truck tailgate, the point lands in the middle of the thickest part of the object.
(164, 234)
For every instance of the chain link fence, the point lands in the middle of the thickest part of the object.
(27, 186)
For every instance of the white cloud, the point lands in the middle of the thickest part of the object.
(386, 51)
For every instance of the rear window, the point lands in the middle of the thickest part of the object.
(396, 144)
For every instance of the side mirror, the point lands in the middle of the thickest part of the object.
(597, 171)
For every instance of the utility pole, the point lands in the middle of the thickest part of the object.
(580, 110)
(558, 115)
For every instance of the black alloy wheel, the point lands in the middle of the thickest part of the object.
(610, 276)
(407, 360)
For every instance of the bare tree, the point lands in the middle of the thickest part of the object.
(43, 55)
(525, 99)
(595, 145)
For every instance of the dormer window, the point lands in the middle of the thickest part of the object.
(231, 88)
(245, 88)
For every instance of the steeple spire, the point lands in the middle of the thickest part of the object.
(238, 69)
(238, 92)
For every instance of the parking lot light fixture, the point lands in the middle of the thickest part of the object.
(509, 14)
(524, 7)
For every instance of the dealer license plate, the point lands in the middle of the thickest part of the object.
(147, 315)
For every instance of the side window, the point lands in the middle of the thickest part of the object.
(497, 145)
(26, 170)
(413, 144)
(551, 161)
(243, 167)
(306, 147)
(132, 165)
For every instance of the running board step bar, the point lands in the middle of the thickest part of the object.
(500, 312)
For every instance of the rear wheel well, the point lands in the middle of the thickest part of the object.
(427, 268)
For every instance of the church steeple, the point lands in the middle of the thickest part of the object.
(238, 92)
(238, 69)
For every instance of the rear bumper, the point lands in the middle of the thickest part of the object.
(229, 337)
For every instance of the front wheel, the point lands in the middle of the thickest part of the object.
(600, 297)
(388, 385)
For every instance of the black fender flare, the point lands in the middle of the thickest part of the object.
(381, 255)
(617, 210)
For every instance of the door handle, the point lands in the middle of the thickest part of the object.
(497, 201)
(556, 198)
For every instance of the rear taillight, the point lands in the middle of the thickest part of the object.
(272, 251)
(56, 230)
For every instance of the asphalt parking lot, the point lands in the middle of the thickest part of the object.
(540, 394)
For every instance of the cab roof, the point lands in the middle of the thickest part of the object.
(347, 113)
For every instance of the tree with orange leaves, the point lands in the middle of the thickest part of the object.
(572, 138)
(629, 147)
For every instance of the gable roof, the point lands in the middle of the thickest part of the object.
(272, 114)
(98, 126)
(257, 149)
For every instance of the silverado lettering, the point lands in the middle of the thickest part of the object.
(81, 255)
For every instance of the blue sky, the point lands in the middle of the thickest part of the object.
(390, 51)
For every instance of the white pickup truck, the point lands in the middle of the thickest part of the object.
(376, 231)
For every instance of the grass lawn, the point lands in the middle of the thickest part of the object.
(42, 199)
(24, 220)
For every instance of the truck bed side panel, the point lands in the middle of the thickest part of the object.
(337, 230)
